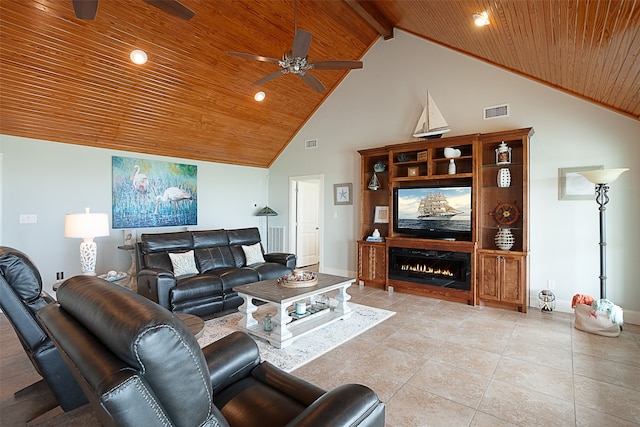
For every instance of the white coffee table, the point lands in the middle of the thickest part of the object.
(285, 328)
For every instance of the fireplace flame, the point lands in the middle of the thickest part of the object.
(422, 268)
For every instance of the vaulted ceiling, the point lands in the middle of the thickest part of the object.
(68, 80)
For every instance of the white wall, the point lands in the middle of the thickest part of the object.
(380, 105)
(51, 179)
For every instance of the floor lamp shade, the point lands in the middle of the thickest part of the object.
(267, 211)
(602, 178)
(86, 226)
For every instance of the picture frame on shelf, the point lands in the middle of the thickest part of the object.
(343, 194)
(129, 237)
(381, 215)
(573, 186)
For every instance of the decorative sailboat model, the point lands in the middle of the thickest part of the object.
(431, 124)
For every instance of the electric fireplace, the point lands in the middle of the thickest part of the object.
(429, 267)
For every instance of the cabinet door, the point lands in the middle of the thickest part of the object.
(513, 279)
(372, 265)
(488, 278)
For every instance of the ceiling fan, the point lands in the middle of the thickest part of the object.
(86, 9)
(296, 61)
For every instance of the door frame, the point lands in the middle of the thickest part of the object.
(293, 180)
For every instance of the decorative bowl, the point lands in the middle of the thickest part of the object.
(452, 153)
(299, 279)
(379, 166)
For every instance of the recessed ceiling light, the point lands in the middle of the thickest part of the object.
(138, 56)
(481, 19)
(259, 96)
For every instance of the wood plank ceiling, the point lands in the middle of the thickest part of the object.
(67, 80)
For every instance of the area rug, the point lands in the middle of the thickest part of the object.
(307, 347)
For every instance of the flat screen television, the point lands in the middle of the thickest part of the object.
(433, 212)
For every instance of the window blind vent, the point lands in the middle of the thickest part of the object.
(496, 111)
(311, 143)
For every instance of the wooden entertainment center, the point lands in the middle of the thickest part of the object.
(497, 274)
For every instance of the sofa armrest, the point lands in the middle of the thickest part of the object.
(230, 359)
(288, 260)
(346, 405)
(155, 284)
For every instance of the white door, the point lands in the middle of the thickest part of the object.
(305, 216)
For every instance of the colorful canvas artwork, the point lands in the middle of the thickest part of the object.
(150, 193)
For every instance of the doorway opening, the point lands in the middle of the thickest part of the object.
(306, 219)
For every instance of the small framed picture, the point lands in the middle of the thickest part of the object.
(381, 215)
(573, 186)
(128, 237)
(342, 194)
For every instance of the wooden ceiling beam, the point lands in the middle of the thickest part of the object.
(373, 16)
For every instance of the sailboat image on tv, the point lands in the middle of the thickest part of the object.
(431, 123)
(435, 207)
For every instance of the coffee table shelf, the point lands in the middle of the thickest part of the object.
(286, 329)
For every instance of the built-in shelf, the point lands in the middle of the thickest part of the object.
(499, 277)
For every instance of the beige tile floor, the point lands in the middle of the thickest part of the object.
(437, 363)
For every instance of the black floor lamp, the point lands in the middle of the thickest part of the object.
(267, 211)
(602, 178)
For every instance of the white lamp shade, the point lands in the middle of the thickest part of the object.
(86, 225)
(603, 176)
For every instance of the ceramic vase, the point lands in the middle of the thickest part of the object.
(504, 177)
(452, 167)
(504, 239)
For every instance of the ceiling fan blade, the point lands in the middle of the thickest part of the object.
(256, 57)
(173, 7)
(336, 65)
(270, 76)
(85, 9)
(301, 44)
(312, 81)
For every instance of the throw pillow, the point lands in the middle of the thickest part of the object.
(183, 263)
(253, 253)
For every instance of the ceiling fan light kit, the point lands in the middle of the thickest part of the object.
(296, 61)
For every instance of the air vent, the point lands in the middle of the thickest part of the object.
(496, 111)
(310, 143)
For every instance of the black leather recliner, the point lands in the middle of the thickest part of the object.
(140, 366)
(21, 296)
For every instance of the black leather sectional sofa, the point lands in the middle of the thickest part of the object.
(221, 265)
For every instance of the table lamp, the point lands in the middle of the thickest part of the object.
(602, 178)
(267, 211)
(86, 226)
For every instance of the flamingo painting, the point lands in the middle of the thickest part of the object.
(139, 180)
(152, 193)
(173, 195)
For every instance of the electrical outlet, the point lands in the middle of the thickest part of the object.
(551, 284)
(60, 275)
(28, 218)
